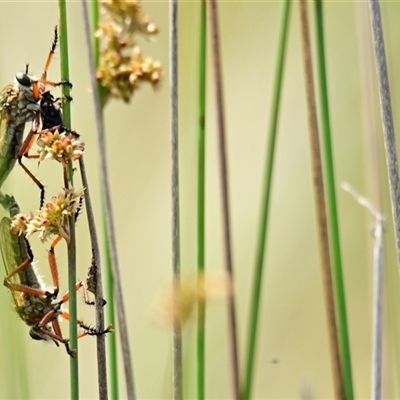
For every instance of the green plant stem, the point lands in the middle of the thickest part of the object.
(333, 226)
(96, 48)
(223, 167)
(201, 142)
(265, 201)
(64, 61)
(320, 206)
(73, 331)
(95, 24)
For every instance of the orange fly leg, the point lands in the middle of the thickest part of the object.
(16, 287)
(53, 269)
(24, 288)
(18, 269)
(51, 54)
(87, 330)
(65, 315)
(24, 152)
(43, 80)
(51, 316)
(54, 244)
(39, 86)
(65, 296)
(30, 138)
(78, 285)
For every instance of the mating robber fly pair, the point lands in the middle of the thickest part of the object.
(28, 100)
(36, 306)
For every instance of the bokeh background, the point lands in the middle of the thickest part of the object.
(293, 352)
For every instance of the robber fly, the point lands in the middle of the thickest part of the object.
(36, 306)
(20, 103)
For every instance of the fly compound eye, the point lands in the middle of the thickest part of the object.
(23, 79)
(36, 333)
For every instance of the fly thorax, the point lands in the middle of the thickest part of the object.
(27, 104)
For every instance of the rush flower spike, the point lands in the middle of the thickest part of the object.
(122, 66)
(53, 218)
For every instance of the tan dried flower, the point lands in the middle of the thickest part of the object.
(178, 304)
(19, 224)
(64, 147)
(52, 218)
(121, 66)
(130, 15)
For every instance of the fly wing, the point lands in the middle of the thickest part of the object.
(10, 135)
(11, 259)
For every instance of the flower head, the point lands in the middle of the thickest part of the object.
(64, 147)
(121, 66)
(20, 222)
(52, 218)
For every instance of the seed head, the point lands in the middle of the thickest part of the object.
(64, 147)
(19, 224)
(121, 66)
(53, 218)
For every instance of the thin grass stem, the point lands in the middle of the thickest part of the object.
(387, 118)
(265, 202)
(112, 339)
(322, 223)
(73, 329)
(333, 224)
(122, 320)
(201, 180)
(369, 99)
(377, 298)
(96, 46)
(377, 329)
(96, 261)
(177, 332)
(95, 23)
(374, 171)
(232, 331)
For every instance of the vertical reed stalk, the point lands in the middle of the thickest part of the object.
(112, 339)
(387, 118)
(201, 143)
(122, 320)
(377, 298)
(225, 196)
(265, 201)
(333, 226)
(377, 328)
(322, 223)
(177, 333)
(96, 265)
(73, 329)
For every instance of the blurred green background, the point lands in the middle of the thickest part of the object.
(293, 351)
